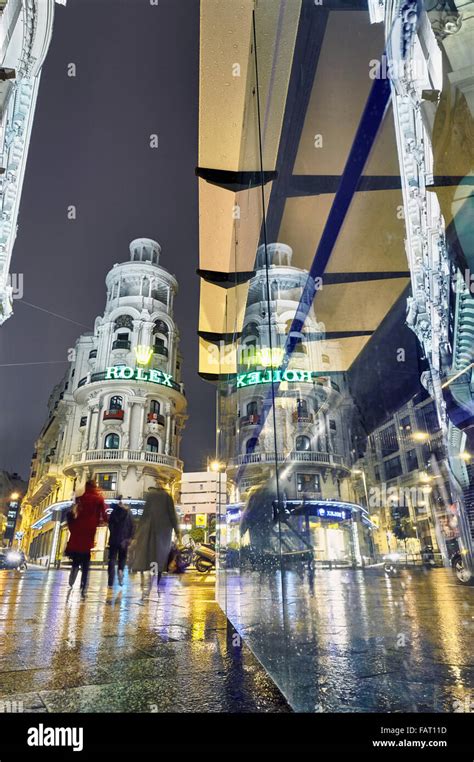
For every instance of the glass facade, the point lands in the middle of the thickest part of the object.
(342, 427)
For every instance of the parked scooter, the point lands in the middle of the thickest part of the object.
(205, 555)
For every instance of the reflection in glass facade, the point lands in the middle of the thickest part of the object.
(335, 237)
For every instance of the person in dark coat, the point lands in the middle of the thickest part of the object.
(153, 541)
(83, 519)
(121, 528)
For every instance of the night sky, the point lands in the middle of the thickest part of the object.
(137, 74)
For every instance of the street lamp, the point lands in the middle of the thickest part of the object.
(14, 496)
(420, 436)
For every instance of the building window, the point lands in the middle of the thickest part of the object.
(412, 460)
(393, 467)
(308, 483)
(124, 321)
(112, 442)
(251, 445)
(303, 443)
(405, 424)
(252, 408)
(107, 481)
(302, 408)
(83, 421)
(332, 425)
(388, 440)
(116, 403)
(152, 444)
(155, 407)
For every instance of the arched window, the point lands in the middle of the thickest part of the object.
(161, 327)
(303, 443)
(155, 407)
(112, 442)
(251, 445)
(123, 321)
(116, 403)
(152, 444)
(252, 408)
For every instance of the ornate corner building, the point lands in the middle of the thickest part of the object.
(26, 28)
(118, 413)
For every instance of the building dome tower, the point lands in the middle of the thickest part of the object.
(129, 399)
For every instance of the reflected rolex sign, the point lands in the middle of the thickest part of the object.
(125, 373)
(276, 375)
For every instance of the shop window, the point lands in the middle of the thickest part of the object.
(107, 481)
(152, 444)
(308, 483)
(112, 442)
(303, 444)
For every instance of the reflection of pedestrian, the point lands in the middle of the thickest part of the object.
(121, 529)
(83, 519)
(153, 542)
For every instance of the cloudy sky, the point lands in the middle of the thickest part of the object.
(136, 75)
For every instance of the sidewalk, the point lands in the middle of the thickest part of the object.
(172, 653)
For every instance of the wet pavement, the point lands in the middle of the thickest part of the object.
(172, 653)
(360, 641)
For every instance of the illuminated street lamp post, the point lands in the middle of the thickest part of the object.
(360, 472)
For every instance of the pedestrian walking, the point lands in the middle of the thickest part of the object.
(153, 540)
(83, 519)
(121, 528)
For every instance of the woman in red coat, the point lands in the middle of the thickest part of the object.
(83, 520)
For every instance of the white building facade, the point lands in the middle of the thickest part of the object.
(26, 27)
(203, 494)
(299, 441)
(118, 414)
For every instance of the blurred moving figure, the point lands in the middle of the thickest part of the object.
(153, 542)
(83, 519)
(121, 528)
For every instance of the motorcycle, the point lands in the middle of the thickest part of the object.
(12, 559)
(205, 556)
(460, 567)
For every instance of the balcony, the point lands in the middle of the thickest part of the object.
(300, 418)
(159, 349)
(322, 458)
(156, 418)
(113, 415)
(121, 344)
(134, 457)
